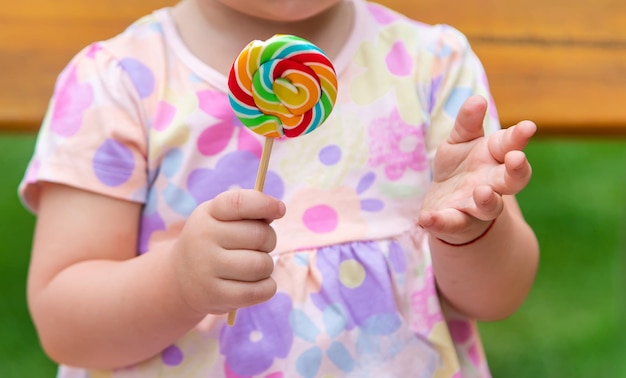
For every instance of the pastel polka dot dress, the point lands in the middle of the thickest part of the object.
(138, 117)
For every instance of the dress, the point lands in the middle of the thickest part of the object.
(138, 117)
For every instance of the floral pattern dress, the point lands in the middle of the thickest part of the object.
(138, 117)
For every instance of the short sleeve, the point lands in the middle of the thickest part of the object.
(93, 136)
(456, 73)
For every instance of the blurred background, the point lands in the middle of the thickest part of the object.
(560, 63)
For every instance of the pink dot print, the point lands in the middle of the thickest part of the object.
(399, 60)
(71, 99)
(381, 15)
(474, 354)
(460, 331)
(320, 219)
(164, 115)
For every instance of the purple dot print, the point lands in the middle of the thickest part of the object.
(366, 182)
(172, 356)
(204, 184)
(261, 335)
(140, 75)
(372, 205)
(330, 155)
(113, 163)
(149, 223)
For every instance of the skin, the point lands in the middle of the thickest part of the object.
(475, 180)
(326, 23)
(96, 304)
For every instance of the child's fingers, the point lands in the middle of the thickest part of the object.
(445, 222)
(469, 121)
(244, 265)
(236, 294)
(254, 235)
(510, 139)
(488, 203)
(245, 204)
(451, 225)
(513, 175)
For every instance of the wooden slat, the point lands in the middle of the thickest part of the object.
(565, 89)
(561, 63)
(37, 39)
(555, 20)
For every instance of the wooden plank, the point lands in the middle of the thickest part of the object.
(37, 39)
(555, 20)
(572, 89)
(560, 63)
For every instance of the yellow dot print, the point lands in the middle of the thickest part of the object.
(351, 273)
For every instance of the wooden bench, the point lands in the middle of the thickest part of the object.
(561, 63)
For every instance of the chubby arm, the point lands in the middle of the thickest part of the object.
(489, 279)
(96, 304)
(475, 180)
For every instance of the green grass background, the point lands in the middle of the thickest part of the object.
(571, 326)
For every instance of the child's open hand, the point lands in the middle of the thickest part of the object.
(222, 256)
(472, 173)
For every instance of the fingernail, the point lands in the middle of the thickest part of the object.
(282, 209)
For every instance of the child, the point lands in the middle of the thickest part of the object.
(368, 255)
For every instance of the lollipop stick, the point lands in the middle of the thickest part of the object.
(265, 161)
(231, 317)
(258, 185)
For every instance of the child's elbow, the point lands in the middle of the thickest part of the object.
(58, 342)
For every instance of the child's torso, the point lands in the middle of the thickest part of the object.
(356, 294)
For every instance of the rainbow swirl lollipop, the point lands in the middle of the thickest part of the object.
(282, 86)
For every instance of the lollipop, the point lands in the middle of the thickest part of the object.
(284, 86)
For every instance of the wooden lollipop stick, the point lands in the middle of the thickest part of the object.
(265, 161)
(258, 185)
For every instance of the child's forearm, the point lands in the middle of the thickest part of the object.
(96, 304)
(489, 279)
(108, 314)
